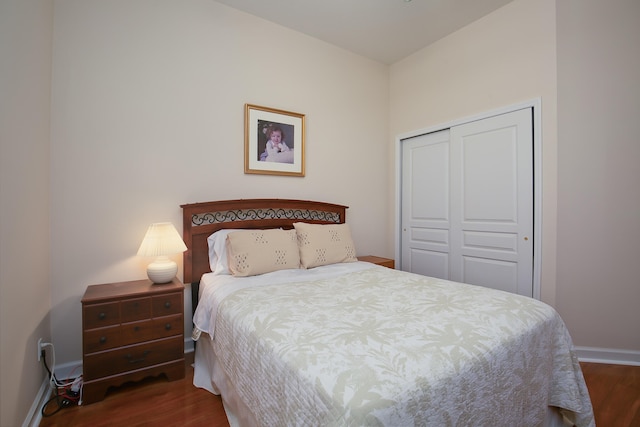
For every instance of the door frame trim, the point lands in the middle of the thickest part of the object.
(536, 106)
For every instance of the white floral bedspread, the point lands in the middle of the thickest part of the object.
(384, 347)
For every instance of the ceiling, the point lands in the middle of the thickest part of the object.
(383, 30)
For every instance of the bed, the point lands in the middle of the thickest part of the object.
(352, 343)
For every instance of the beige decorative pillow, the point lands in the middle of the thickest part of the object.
(322, 244)
(253, 252)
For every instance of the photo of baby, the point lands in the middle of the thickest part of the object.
(273, 145)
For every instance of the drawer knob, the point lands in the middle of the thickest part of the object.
(167, 304)
(103, 340)
(102, 315)
(167, 326)
(136, 328)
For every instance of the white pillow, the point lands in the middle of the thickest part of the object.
(323, 244)
(253, 252)
(218, 258)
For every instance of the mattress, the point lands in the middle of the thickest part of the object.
(358, 344)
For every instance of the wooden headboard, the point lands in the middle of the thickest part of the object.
(200, 220)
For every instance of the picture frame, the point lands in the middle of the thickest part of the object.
(274, 141)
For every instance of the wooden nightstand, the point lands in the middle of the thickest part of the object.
(131, 330)
(385, 262)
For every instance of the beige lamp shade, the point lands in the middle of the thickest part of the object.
(162, 239)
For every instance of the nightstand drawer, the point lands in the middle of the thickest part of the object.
(106, 363)
(168, 326)
(101, 315)
(137, 332)
(135, 309)
(101, 339)
(164, 305)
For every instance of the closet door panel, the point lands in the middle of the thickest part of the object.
(425, 206)
(491, 273)
(430, 263)
(492, 202)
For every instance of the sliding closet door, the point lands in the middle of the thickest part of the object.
(467, 203)
(425, 204)
(492, 202)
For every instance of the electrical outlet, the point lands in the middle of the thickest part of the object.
(40, 347)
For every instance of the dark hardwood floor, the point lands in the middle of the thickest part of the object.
(614, 390)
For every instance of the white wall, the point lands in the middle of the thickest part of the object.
(505, 58)
(599, 172)
(25, 75)
(148, 113)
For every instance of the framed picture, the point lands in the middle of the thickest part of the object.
(273, 141)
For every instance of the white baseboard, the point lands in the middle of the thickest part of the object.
(35, 412)
(608, 355)
(188, 344)
(68, 370)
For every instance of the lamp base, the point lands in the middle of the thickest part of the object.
(162, 270)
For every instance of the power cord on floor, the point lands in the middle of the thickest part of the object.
(67, 393)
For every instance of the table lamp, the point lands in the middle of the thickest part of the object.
(162, 239)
